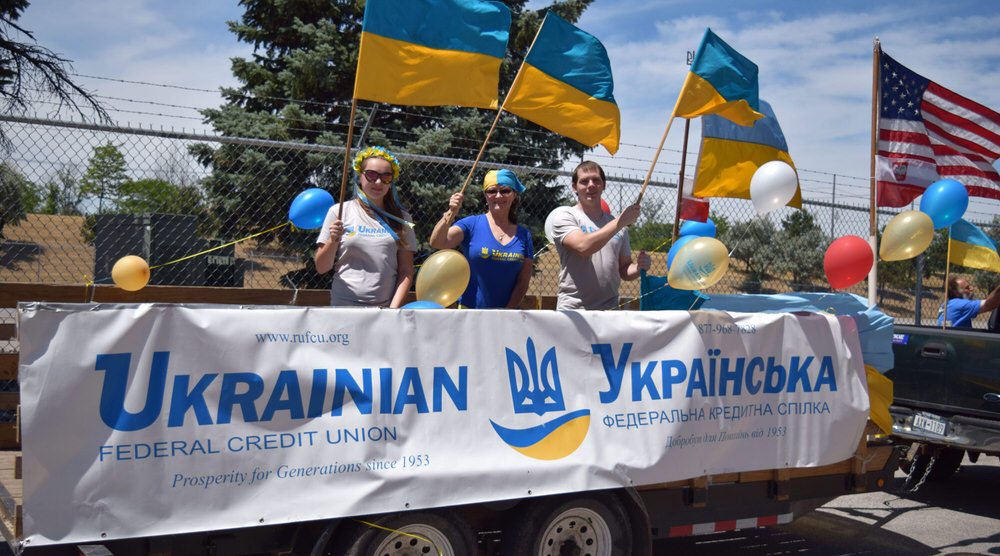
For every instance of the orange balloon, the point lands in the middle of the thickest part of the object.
(130, 273)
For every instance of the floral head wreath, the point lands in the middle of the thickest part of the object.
(380, 152)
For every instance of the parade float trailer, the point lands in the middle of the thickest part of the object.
(180, 420)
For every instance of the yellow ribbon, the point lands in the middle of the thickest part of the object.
(221, 246)
(401, 533)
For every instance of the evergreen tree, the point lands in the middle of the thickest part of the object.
(298, 86)
(106, 174)
(15, 196)
(752, 244)
(62, 194)
(801, 246)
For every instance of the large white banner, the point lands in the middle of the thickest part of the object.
(158, 419)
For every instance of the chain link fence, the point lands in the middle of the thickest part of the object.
(212, 211)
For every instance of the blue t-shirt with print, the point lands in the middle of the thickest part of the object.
(493, 266)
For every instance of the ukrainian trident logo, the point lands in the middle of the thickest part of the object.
(535, 388)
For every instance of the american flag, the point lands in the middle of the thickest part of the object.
(927, 133)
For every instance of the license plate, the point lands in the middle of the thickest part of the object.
(930, 423)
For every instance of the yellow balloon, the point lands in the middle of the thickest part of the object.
(130, 273)
(700, 263)
(443, 277)
(907, 235)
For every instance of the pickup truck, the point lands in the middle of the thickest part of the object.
(154, 422)
(946, 385)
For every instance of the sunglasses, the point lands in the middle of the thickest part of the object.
(372, 176)
(493, 191)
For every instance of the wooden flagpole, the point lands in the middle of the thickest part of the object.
(347, 158)
(873, 209)
(947, 270)
(657, 155)
(513, 86)
(680, 183)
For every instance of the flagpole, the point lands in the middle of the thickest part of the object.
(947, 270)
(873, 209)
(517, 79)
(680, 184)
(657, 155)
(347, 158)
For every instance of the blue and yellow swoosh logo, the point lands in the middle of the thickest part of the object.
(555, 439)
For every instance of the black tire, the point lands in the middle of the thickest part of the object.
(588, 525)
(404, 534)
(946, 464)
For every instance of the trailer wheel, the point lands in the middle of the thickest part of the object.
(404, 534)
(592, 525)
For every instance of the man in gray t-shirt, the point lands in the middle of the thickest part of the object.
(593, 246)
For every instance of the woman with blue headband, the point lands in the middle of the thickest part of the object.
(500, 252)
(370, 243)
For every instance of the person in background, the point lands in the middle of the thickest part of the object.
(370, 248)
(593, 246)
(499, 251)
(962, 308)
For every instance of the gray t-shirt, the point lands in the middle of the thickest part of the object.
(587, 282)
(366, 266)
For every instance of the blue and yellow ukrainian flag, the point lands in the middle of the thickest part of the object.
(721, 81)
(432, 52)
(970, 246)
(731, 153)
(565, 85)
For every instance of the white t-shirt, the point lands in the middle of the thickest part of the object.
(587, 282)
(365, 272)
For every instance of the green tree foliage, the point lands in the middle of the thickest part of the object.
(800, 248)
(655, 229)
(297, 87)
(107, 181)
(15, 195)
(61, 195)
(752, 243)
(106, 174)
(902, 275)
(159, 196)
(722, 224)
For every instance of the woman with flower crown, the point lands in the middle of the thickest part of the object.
(370, 244)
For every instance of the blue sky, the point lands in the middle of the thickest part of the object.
(814, 59)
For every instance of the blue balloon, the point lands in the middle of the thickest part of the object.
(422, 305)
(699, 229)
(309, 208)
(945, 202)
(676, 247)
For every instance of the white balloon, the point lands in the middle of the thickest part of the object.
(772, 186)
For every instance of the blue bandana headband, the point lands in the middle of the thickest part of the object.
(504, 178)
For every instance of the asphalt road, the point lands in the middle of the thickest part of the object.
(958, 516)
